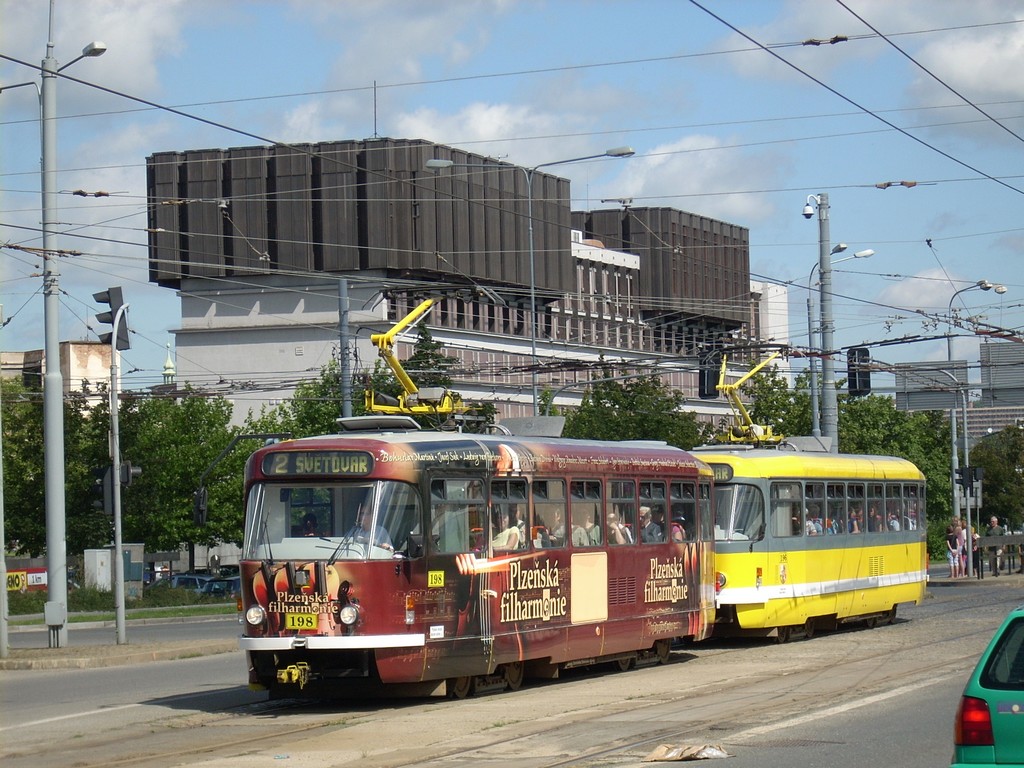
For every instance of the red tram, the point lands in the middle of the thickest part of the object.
(387, 555)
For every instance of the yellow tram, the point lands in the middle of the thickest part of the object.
(806, 540)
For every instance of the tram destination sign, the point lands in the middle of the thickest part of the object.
(333, 463)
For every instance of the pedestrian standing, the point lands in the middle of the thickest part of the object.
(996, 552)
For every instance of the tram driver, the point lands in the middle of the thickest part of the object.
(363, 531)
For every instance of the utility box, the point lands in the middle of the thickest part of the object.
(99, 569)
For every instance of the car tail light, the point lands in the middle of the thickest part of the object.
(973, 723)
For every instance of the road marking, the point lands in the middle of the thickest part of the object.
(761, 730)
(100, 711)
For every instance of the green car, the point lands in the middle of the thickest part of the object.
(990, 718)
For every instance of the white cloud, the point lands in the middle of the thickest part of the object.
(688, 171)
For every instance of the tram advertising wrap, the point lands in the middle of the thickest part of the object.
(453, 561)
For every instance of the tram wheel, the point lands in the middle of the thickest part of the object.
(809, 628)
(460, 687)
(515, 673)
(871, 623)
(625, 664)
(892, 615)
(663, 649)
(783, 635)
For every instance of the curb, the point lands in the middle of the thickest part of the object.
(90, 657)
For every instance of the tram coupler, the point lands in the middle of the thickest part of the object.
(294, 673)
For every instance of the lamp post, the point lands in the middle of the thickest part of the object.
(437, 164)
(829, 402)
(839, 248)
(55, 610)
(954, 465)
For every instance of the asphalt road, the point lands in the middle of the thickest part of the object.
(885, 697)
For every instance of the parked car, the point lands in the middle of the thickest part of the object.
(192, 581)
(990, 719)
(226, 588)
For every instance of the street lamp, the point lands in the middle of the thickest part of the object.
(437, 164)
(980, 285)
(55, 610)
(839, 248)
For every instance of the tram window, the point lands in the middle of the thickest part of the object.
(914, 507)
(652, 495)
(683, 506)
(857, 504)
(705, 516)
(893, 507)
(508, 498)
(787, 513)
(548, 527)
(457, 514)
(876, 505)
(309, 510)
(835, 519)
(585, 513)
(814, 509)
(621, 512)
(739, 512)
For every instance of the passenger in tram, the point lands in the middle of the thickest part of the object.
(812, 525)
(856, 523)
(580, 535)
(557, 529)
(677, 531)
(309, 525)
(507, 537)
(617, 532)
(894, 521)
(875, 522)
(650, 532)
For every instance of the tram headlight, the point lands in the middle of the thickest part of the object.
(349, 615)
(255, 615)
(719, 581)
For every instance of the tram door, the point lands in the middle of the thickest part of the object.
(786, 557)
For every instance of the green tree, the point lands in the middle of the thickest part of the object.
(175, 441)
(24, 474)
(1002, 456)
(643, 408)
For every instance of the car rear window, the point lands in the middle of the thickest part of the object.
(1005, 667)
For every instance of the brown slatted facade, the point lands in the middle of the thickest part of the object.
(355, 205)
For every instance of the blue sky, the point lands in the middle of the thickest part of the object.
(720, 126)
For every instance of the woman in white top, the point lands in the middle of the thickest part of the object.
(507, 537)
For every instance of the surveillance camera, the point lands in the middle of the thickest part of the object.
(808, 211)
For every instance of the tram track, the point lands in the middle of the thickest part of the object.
(704, 695)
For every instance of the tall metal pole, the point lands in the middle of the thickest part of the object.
(4, 637)
(528, 173)
(953, 460)
(345, 368)
(967, 492)
(56, 608)
(115, 481)
(829, 401)
(811, 336)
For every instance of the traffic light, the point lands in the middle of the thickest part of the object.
(129, 473)
(115, 299)
(103, 489)
(858, 371)
(708, 375)
(968, 476)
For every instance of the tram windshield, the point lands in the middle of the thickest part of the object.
(332, 521)
(739, 512)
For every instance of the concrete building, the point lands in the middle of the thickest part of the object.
(262, 243)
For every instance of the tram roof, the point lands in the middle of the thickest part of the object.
(772, 462)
